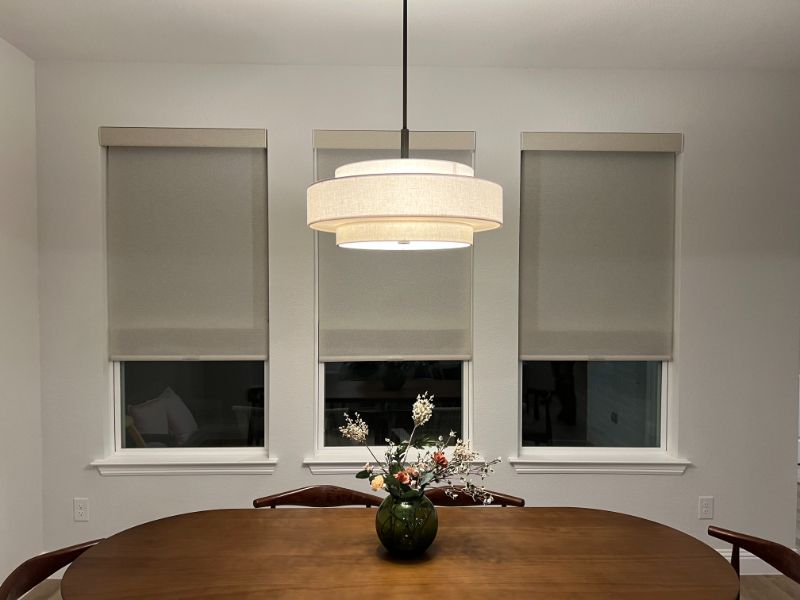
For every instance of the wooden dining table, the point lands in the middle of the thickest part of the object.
(486, 552)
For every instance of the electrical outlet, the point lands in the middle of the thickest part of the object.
(80, 509)
(705, 507)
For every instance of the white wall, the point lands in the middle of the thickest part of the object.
(737, 291)
(20, 393)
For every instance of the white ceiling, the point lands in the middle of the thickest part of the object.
(695, 34)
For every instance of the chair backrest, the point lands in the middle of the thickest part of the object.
(35, 570)
(782, 558)
(440, 498)
(319, 495)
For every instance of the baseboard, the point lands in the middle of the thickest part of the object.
(750, 564)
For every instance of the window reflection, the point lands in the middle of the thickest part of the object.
(591, 403)
(383, 392)
(192, 404)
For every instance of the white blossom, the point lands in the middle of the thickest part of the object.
(462, 452)
(430, 466)
(355, 429)
(422, 410)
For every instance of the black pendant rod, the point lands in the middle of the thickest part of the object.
(404, 130)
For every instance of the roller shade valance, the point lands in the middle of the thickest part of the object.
(392, 305)
(597, 249)
(187, 252)
(176, 137)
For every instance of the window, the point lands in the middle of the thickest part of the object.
(591, 403)
(382, 392)
(596, 287)
(192, 404)
(187, 285)
(391, 325)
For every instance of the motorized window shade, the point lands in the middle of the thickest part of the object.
(187, 248)
(392, 305)
(597, 246)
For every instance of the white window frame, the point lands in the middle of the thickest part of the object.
(335, 460)
(348, 460)
(662, 460)
(665, 459)
(178, 461)
(119, 461)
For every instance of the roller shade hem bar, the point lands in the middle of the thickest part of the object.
(170, 137)
(598, 357)
(394, 358)
(187, 358)
(602, 142)
(330, 139)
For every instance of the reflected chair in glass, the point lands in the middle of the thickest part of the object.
(440, 498)
(319, 496)
(35, 570)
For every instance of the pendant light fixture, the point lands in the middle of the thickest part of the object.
(405, 203)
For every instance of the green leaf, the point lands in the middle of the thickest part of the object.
(395, 487)
(425, 479)
(424, 441)
(410, 494)
(363, 474)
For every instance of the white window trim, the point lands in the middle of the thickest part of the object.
(664, 460)
(348, 460)
(612, 461)
(617, 461)
(177, 461)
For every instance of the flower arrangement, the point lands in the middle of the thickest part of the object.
(404, 477)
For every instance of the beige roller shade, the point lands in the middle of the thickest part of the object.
(392, 305)
(596, 254)
(187, 253)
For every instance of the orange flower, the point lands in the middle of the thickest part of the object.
(402, 477)
(412, 471)
(440, 459)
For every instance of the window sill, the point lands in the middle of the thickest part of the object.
(346, 465)
(218, 461)
(600, 461)
(334, 466)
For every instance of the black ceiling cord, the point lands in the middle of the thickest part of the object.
(404, 130)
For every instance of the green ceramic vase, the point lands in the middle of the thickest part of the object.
(406, 527)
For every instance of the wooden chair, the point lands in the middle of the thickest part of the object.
(786, 560)
(35, 570)
(440, 498)
(318, 495)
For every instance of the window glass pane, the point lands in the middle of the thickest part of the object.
(382, 393)
(591, 403)
(192, 404)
